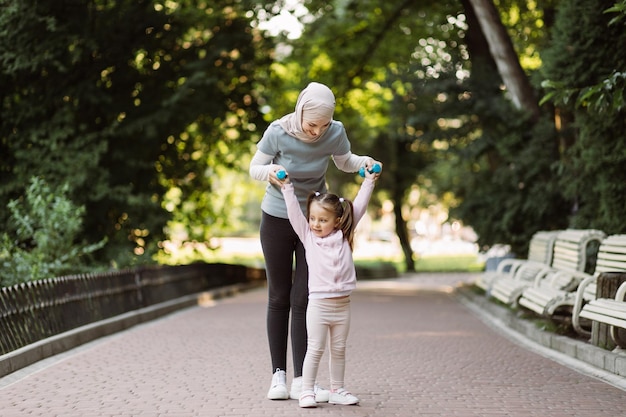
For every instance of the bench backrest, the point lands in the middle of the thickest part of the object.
(541, 246)
(612, 254)
(611, 258)
(576, 250)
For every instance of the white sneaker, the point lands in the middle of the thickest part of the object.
(342, 397)
(321, 394)
(296, 388)
(278, 390)
(307, 399)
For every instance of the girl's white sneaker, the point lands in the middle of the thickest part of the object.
(342, 397)
(321, 394)
(307, 399)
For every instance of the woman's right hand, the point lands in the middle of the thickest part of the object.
(273, 179)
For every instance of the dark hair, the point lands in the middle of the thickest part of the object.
(340, 207)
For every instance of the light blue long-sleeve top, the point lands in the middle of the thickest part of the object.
(306, 163)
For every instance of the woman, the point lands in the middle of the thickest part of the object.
(301, 143)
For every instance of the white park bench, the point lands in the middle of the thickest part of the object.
(546, 300)
(604, 310)
(540, 251)
(609, 311)
(573, 250)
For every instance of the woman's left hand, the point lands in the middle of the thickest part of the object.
(369, 165)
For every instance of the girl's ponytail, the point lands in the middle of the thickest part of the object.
(346, 224)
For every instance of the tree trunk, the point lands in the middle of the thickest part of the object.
(484, 84)
(397, 196)
(403, 235)
(504, 55)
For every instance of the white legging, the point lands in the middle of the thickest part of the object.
(323, 317)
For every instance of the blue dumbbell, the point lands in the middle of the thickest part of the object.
(281, 175)
(375, 169)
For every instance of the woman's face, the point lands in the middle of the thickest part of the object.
(315, 128)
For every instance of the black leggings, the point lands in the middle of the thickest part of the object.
(285, 291)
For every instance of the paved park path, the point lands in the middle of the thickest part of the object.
(414, 350)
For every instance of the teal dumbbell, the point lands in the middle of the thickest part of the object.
(375, 169)
(281, 175)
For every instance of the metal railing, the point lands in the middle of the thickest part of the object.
(36, 310)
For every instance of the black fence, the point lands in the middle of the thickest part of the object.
(36, 310)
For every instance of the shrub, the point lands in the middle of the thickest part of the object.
(40, 240)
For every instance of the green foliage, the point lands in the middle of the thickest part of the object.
(607, 96)
(41, 240)
(124, 101)
(594, 177)
(620, 8)
(402, 74)
(440, 119)
(498, 165)
(526, 23)
(584, 48)
(144, 108)
(376, 69)
(581, 65)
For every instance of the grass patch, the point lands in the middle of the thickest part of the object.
(449, 263)
(379, 267)
(253, 261)
(432, 264)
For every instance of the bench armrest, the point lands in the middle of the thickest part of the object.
(621, 292)
(542, 275)
(578, 303)
(507, 265)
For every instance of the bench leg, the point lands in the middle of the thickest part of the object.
(619, 336)
(602, 335)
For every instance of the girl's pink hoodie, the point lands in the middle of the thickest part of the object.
(329, 258)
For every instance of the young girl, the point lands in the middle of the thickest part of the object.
(327, 235)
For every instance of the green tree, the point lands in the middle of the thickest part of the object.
(609, 95)
(439, 76)
(504, 54)
(445, 123)
(586, 49)
(124, 101)
(506, 161)
(376, 66)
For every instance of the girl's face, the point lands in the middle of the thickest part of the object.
(315, 128)
(321, 221)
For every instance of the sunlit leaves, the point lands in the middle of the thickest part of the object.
(524, 21)
(125, 99)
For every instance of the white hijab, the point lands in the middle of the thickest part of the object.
(318, 102)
